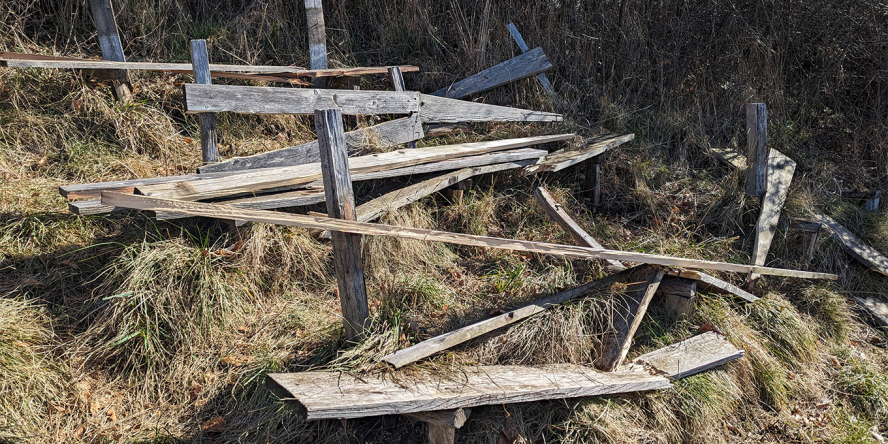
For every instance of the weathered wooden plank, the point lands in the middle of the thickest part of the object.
(347, 260)
(288, 199)
(317, 37)
(447, 340)
(756, 148)
(562, 159)
(592, 180)
(109, 43)
(544, 81)
(560, 216)
(677, 295)
(711, 283)
(270, 100)
(94, 189)
(443, 110)
(688, 357)
(331, 394)
(439, 434)
(391, 133)
(397, 78)
(878, 310)
(200, 61)
(730, 157)
(253, 181)
(854, 246)
(627, 316)
(455, 418)
(525, 65)
(780, 172)
(227, 212)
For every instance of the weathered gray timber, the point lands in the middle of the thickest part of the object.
(317, 37)
(592, 180)
(442, 423)
(711, 283)
(287, 199)
(626, 317)
(594, 146)
(780, 172)
(332, 394)
(443, 110)
(854, 246)
(877, 309)
(677, 295)
(200, 60)
(756, 148)
(109, 42)
(519, 40)
(810, 236)
(688, 357)
(397, 77)
(525, 65)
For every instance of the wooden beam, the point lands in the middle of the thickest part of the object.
(525, 65)
(627, 316)
(288, 199)
(455, 418)
(391, 133)
(347, 259)
(200, 60)
(442, 342)
(729, 156)
(562, 159)
(592, 180)
(544, 81)
(677, 295)
(109, 42)
(439, 434)
(854, 246)
(317, 37)
(332, 394)
(810, 236)
(226, 212)
(713, 284)
(756, 148)
(877, 309)
(688, 357)
(780, 172)
(442, 110)
(253, 181)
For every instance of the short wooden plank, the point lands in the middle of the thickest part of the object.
(332, 394)
(447, 340)
(94, 189)
(109, 43)
(756, 148)
(391, 133)
(271, 100)
(878, 310)
(443, 110)
(455, 418)
(780, 172)
(525, 65)
(689, 357)
(544, 81)
(677, 295)
(562, 159)
(711, 283)
(627, 316)
(253, 181)
(854, 246)
(730, 157)
(200, 61)
(560, 216)
(347, 259)
(321, 223)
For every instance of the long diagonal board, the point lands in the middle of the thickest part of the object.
(564, 158)
(856, 247)
(780, 172)
(627, 316)
(322, 223)
(525, 65)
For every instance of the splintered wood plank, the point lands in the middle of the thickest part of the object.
(558, 213)
(525, 65)
(288, 199)
(322, 223)
(447, 340)
(331, 394)
(688, 357)
(854, 246)
(271, 100)
(562, 159)
(626, 317)
(756, 148)
(94, 189)
(443, 110)
(780, 172)
(878, 310)
(391, 133)
(713, 284)
(200, 60)
(252, 181)
(109, 43)
(544, 81)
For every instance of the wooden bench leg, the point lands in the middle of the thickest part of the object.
(592, 182)
(439, 434)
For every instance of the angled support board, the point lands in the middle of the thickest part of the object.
(109, 42)
(780, 172)
(688, 357)
(854, 246)
(525, 65)
(711, 283)
(200, 60)
(878, 310)
(391, 133)
(756, 148)
(331, 394)
(519, 40)
(562, 159)
(442, 110)
(288, 199)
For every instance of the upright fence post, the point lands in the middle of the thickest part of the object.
(112, 49)
(317, 38)
(200, 63)
(347, 260)
(398, 83)
(756, 149)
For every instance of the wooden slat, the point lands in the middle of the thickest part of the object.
(592, 180)
(688, 357)
(627, 316)
(525, 65)
(226, 212)
(562, 159)
(756, 148)
(780, 172)
(288, 199)
(713, 284)
(269, 100)
(854, 246)
(447, 340)
(391, 133)
(544, 81)
(877, 309)
(112, 48)
(730, 157)
(677, 295)
(442, 110)
(331, 394)
(317, 37)
(200, 61)
(253, 181)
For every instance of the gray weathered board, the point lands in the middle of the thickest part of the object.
(756, 148)
(688, 357)
(877, 309)
(626, 316)
(677, 295)
(522, 45)
(110, 44)
(713, 284)
(562, 159)
(525, 65)
(443, 110)
(856, 247)
(332, 394)
(779, 177)
(200, 60)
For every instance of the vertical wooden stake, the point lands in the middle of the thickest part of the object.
(441, 434)
(317, 38)
(756, 148)
(112, 49)
(519, 40)
(592, 185)
(398, 83)
(200, 62)
(341, 205)
(678, 295)
(872, 204)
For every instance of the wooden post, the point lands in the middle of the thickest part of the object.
(756, 149)
(872, 204)
(442, 424)
(317, 38)
(398, 83)
(112, 49)
(519, 40)
(341, 205)
(592, 182)
(810, 234)
(200, 62)
(678, 295)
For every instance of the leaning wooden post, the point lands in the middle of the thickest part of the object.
(200, 62)
(112, 49)
(544, 81)
(756, 148)
(397, 78)
(341, 205)
(317, 38)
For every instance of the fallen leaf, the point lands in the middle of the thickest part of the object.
(188, 139)
(79, 432)
(111, 413)
(216, 424)
(234, 360)
(245, 329)
(69, 263)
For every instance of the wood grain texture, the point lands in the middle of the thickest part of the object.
(317, 38)
(564, 158)
(525, 65)
(447, 340)
(455, 418)
(391, 133)
(713, 284)
(626, 316)
(439, 434)
(331, 394)
(200, 61)
(730, 157)
(443, 110)
(321, 223)
(688, 357)
(877, 309)
(854, 246)
(94, 189)
(756, 149)
(677, 296)
(109, 43)
(288, 199)
(780, 172)
(544, 81)
(271, 100)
